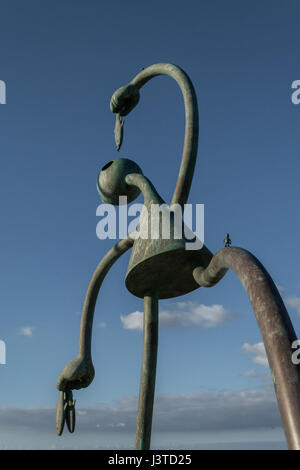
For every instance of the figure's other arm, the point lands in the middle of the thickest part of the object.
(79, 373)
(274, 323)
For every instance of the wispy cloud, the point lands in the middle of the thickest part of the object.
(257, 375)
(258, 351)
(183, 314)
(210, 411)
(249, 373)
(26, 331)
(293, 302)
(102, 324)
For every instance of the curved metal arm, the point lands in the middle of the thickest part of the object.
(275, 326)
(92, 293)
(124, 99)
(79, 373)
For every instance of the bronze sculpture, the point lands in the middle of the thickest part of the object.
(151, 274)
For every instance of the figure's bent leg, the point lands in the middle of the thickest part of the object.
(275, 326)
(148, 373)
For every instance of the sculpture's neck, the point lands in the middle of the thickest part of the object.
(146, 187)
(189, 154)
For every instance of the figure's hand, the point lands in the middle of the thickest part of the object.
(79, 373)
(124, 99)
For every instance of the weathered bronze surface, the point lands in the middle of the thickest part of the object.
(162, 268)
(148, 373)
(111, 182)
(65, 411)
(152, 261)
(80, 372)
(118, 131)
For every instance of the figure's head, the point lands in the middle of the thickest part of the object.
(111, 181)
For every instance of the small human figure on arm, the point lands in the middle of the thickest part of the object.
(227, 240)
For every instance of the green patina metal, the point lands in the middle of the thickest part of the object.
(65, 411)
(152, 261)
(161, 268)
(148, 372)
(118, 131)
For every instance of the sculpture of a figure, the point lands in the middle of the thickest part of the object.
(227, 241)
(163, 268)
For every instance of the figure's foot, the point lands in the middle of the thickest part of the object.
(79, 373)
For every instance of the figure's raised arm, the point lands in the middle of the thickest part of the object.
(126, 98)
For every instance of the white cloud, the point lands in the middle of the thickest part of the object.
(182, 314)
(259, 352)
(293, 302)
(203, 315)
(133, 321)
(26, 330)
(102, 324)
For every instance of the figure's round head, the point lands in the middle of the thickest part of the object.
(111, 181)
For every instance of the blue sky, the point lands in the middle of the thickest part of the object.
(61, 62)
